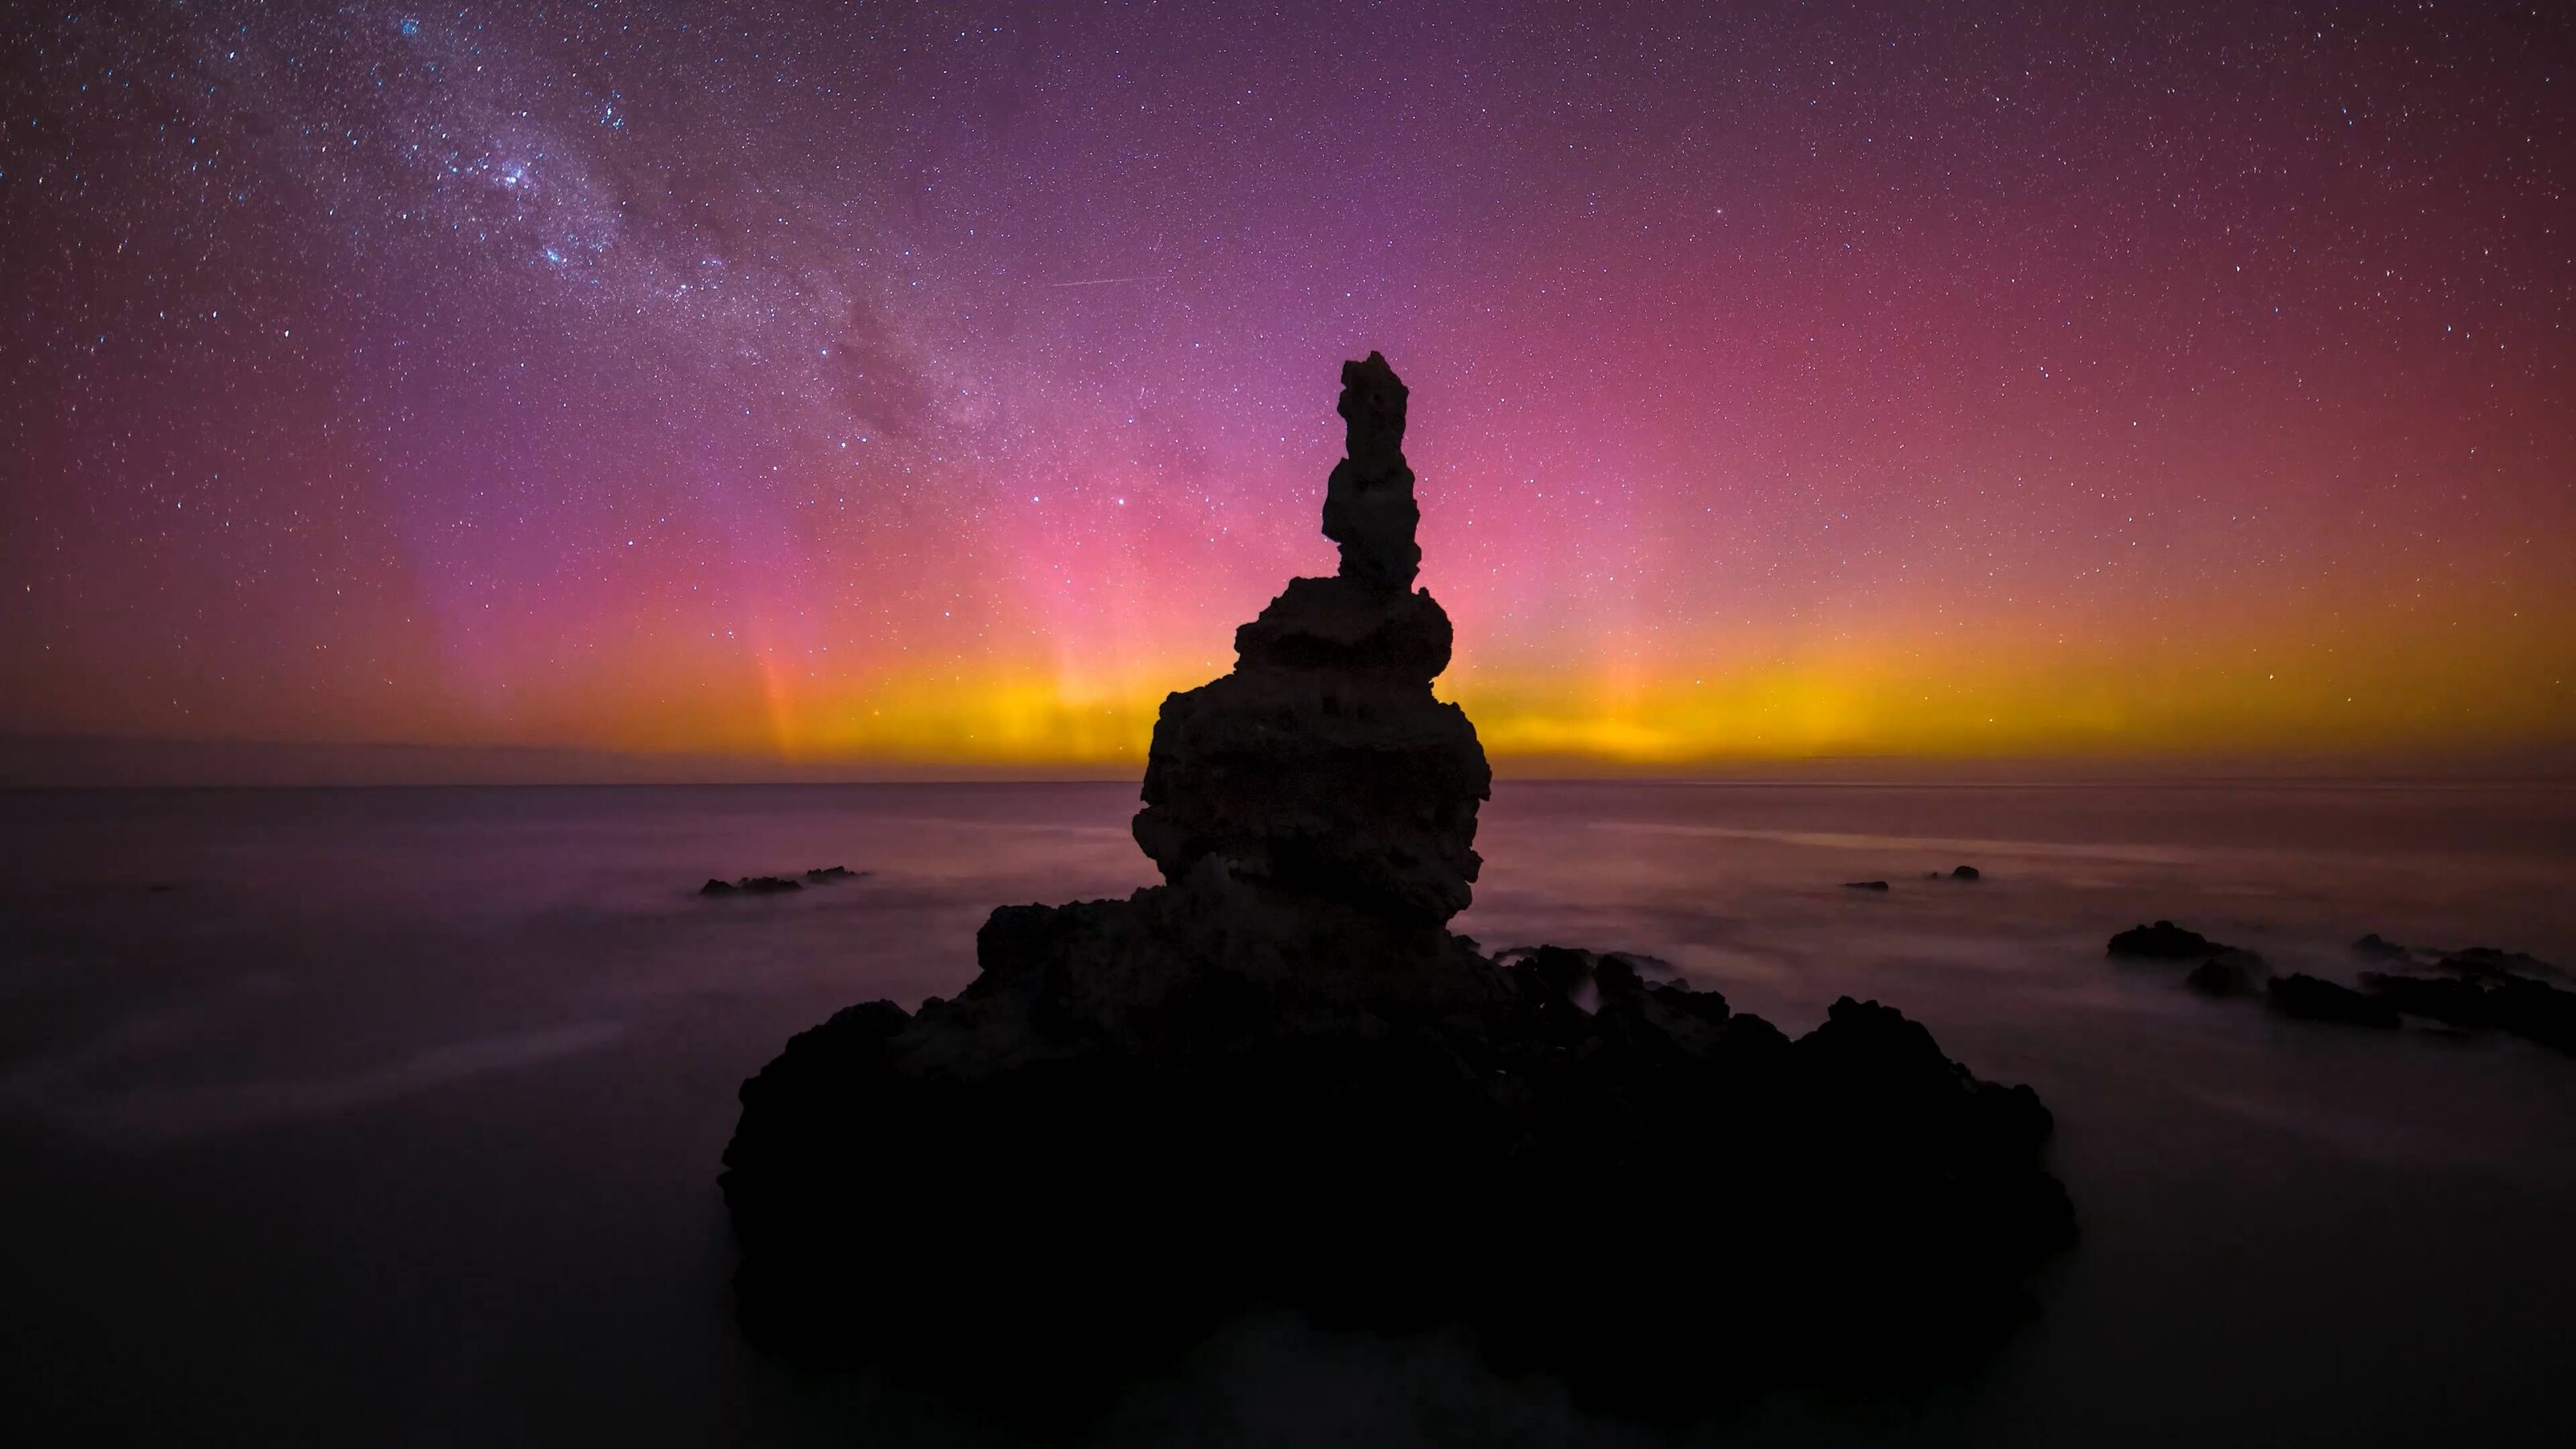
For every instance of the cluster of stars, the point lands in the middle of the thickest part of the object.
(852, 380)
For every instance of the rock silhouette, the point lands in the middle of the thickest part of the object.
(1277, 1078)
(2165, 941)
(1321, 771)
(2477, 988)
(2227, 975)
(753, 885)
(2313, 998)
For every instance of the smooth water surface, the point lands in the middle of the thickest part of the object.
(394, 1115)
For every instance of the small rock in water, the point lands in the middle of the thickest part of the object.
(2532, 1010)
(2436, 998)
(2221, 976)
(751, 885)
(1964, 872)
(2491, 964)
(2375, 944)
(1864, 885)
(833, 872)
(2311, 998)
(2165, 941)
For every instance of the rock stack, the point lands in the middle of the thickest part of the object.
(1321, 770)
(1278, 1079)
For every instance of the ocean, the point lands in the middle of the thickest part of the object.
(393, 1116)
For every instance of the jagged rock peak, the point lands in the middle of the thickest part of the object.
(1368, 504)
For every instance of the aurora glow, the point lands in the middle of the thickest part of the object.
(943, 383)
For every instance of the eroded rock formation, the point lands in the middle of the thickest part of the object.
(1322, 769)
(1278, 1079)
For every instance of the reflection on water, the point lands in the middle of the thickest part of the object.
(373, 1114)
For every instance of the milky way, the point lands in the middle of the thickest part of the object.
(943, 383)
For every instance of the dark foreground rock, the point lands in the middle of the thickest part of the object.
(1127, 1129)
(1279, 1080)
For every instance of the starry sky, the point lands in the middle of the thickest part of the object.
(923, 384)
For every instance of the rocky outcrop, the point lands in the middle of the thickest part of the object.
(2482, 988)
(1322, 769)
(2312, 998)
(770, 885)
(753, 885)
(2165, 941)
(1278, 1078)
(2222, 976)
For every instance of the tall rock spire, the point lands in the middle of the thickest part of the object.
(1368, 504)
(1322, 767)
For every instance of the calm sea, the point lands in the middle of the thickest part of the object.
(393, 1116)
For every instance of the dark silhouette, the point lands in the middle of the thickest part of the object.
(771, 885)
(1279, 1079)
(2219, 969)
(2479, 988)
(2228, 975)
(751, 885)
(2165, 941)
(2313, 998)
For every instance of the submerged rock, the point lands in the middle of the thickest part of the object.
(2165, 941)
(1279, 1079)
(2489, 963)
(2533, 1010)
(2221, 976)
(2483, 962)
(750, 885)
(2313, 998)
(1864, 885)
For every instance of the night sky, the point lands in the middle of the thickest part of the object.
(927, 383)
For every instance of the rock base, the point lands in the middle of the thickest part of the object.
(1146, 1116)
